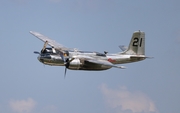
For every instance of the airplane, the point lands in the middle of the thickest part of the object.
(74, 59)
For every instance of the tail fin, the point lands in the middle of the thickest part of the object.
(137, 44)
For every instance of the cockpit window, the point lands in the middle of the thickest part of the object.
(100, 54)
(97, 53)
(85, 51)
(48, 51)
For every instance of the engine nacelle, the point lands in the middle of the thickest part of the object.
(75, 64)
(78, 64)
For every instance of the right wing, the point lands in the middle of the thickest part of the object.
(105, 63)
(50, 42)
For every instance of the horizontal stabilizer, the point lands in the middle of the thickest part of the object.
(141, 57)
(123, 48)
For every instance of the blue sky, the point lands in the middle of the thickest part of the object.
(149, 86)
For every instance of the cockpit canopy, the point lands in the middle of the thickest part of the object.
(48, 50)
(66, 53)
(96, 53)
(100, 54)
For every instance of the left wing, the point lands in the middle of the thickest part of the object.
(50, 42)
(104, 62)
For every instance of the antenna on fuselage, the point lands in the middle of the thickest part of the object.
(105, 52)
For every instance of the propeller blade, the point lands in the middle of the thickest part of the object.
(65, 73)
(70, 60)
(44, 47)
(36, 52)
(67, 63)
(62, 56)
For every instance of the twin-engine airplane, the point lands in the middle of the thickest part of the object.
(58, 55)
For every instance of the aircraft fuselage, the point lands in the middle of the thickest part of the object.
(80, 63)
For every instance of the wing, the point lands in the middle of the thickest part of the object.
(104, 62)
(50, 42)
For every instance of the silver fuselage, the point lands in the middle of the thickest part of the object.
(80, 63)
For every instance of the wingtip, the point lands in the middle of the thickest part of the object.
(31, 32)
(122, 67)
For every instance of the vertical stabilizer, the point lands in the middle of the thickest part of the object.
(137, 44)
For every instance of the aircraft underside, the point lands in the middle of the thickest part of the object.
(76, 65)
(81, 64)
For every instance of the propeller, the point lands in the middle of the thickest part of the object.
(36, 52)
(44, 47)
(67, 60)
(67, 63)
(66, 66)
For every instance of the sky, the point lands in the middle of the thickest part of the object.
(149, 86)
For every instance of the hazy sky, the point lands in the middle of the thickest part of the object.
(149, 86)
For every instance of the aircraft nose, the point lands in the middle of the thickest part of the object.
(42, 58)
(39, 58)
